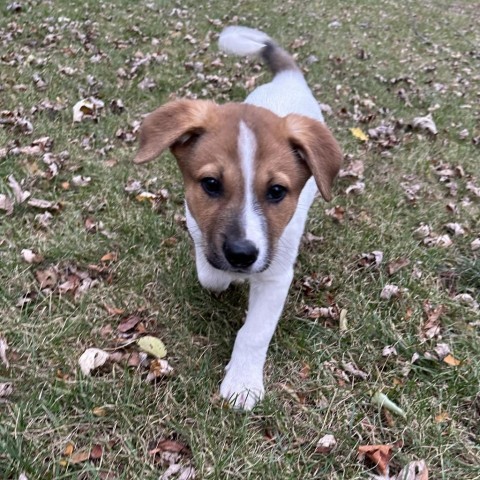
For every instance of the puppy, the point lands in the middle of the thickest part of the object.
(251, 171)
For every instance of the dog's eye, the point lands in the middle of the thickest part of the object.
(276, 193)
(212, 186)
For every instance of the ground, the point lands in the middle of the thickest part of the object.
(370, 64)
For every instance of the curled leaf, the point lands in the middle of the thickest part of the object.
(91, 359)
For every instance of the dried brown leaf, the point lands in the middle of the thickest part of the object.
(378, 454)
(431, 327)
(395, 265)
(128, 323)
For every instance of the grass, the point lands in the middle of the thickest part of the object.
(430, 50)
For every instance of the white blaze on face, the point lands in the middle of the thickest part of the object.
(253, 221)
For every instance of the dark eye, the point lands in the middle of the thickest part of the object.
(212, 186)
(276, 193)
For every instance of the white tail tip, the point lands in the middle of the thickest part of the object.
(242, 41)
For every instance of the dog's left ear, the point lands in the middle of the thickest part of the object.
(175, 123)
(318, 148)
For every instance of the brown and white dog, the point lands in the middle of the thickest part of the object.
(251, 172)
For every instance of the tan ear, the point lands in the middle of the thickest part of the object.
(318, 149)
(168, 124)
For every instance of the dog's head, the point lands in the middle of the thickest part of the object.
(244, 169)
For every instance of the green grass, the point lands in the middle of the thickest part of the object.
(432, 48)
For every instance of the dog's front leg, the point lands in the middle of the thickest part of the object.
(243, 382)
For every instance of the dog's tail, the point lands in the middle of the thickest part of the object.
(243, 41)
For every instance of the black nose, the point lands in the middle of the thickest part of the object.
(240, 253)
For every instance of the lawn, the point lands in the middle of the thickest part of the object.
(104, 252)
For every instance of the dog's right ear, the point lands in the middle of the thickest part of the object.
(175, 123)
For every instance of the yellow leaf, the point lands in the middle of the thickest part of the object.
(68, 449)
(358, 133)
(451, 360)
(152, 345)
(99, 411)
(142, 197)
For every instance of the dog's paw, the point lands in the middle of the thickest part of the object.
(241, 389)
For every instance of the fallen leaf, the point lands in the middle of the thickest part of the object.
(431, 328)
(44, 204)
(471, 187)
(455, 229)
(442, 241)
(6, 389)
(451, 360)
(413, 471)
(342, 321)
(326, 444)
(79, 456)
(69, 447)
(337, 213)
(96, 452)
(47, 278)
(395, 265)
(322, 312)
(390, 291)
(30, 256)
(110, 257)
(19, 194)
(6, 204)
(467, 299)
(389, 350)
(425, 123)
(99, 411)
(3, 351)
(352, 369)
(422, 231)
(81, 181)
(114, 310)
(354, 170)
(172, 446)
(357, 188)
(305, 371)
(87, 108)
(442, 417)
(158, 368)
(377, 454)
(91, 359)
(360, 134)
(370, 260)
(310, 238)
(128, 323)
(441, 350)
(153, 346)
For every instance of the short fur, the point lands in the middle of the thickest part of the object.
(275, 138)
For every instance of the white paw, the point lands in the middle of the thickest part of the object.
(242, 387)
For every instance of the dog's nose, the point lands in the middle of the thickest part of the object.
(240, 253)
